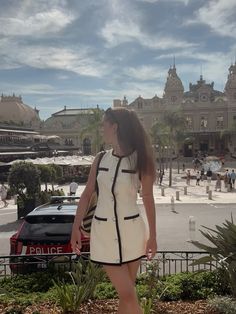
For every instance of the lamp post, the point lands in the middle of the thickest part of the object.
(54, 153)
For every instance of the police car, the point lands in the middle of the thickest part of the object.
(44, 231)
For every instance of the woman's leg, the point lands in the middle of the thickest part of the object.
(123, 279)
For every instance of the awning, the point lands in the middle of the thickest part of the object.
(59, 160)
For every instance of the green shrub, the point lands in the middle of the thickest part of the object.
(222, 251)
(223, 305)
(105, 290)
(194, 286)
(85, 277)
(35, 282)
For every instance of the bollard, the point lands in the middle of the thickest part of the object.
(210, 195)
(228, 188)
(162, 192)
(185, 190)
(15, 199)
(192, 228)
(172, 201)
(207, 188)
(177, 195)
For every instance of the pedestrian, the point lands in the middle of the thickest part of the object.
(198, 177)
(183, 167)
(157, 176)
(118, 236)
(202, 174)
(226, 178)
(3, 194)
(188, 177)
(73, 188)
(218, 182)
(209, 175)
(233, 177)
(230, 182)
(161, 175)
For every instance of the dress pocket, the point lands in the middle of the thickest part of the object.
(131, 217)
(100, 218)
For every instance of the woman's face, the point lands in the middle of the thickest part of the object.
(108, 131)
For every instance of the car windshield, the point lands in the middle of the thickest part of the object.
(48, 228)
(64, 200)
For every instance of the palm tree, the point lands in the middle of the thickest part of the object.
(228, 133)
(168, 132)
(93, 129)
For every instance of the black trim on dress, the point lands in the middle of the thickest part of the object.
(115, 211)
(103, 169)
(128, 171)
(100, 218)
(118, 264)
(131, 217)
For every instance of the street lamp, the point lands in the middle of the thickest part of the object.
(54, 153)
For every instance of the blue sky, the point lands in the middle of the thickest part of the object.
(82, 53)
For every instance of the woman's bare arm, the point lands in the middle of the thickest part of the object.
(148, 201)
(87, 193)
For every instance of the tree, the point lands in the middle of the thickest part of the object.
(24, 179)
(49, 174)
(45, 174)
(229, 133)
(167, 132)
(93, 128)
(56, 174)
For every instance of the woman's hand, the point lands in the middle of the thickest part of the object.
(75, 240)
(151, 248)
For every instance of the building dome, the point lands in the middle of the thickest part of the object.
(173, 82)
(14, 112)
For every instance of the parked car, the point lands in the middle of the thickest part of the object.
(45, 230)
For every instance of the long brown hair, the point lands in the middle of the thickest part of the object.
(132, 137)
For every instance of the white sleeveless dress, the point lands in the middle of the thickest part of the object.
(118, 232)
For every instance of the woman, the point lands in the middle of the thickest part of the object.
(118, 235)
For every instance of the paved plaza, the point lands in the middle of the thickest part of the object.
(195, 194)
(172, 217)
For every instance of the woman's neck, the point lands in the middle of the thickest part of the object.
(117, 150)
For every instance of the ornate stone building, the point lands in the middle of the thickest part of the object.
(22, 130)
(68, 125)
(209, 113)
(14, 112)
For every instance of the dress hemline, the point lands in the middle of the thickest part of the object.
(117, 264)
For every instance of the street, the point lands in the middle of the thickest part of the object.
(172, 226)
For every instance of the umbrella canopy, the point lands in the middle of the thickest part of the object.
(213, 163)
(59, 160)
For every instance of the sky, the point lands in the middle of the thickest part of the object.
(83, 53)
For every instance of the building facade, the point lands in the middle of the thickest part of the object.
(209, 113)
(72, 126)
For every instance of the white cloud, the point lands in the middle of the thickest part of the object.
(124, 25)
(154, 1)
(45, 57)
(145, 89)
(117, 32)
(219, 15)
(146, 73)
(40, 23)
